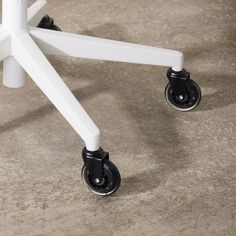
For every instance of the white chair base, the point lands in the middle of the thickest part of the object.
(22, 47)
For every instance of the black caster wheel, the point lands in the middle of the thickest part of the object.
(184, 102)
(109, 183)
(48, 23)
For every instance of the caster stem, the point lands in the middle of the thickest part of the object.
(178, 81)
(94, 162)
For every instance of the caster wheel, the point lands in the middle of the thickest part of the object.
(48, 23)
(109, 183)
(184, 102)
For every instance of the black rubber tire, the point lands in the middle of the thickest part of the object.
(110, 182)
(190, 101)
(48, 23)
(55, 27)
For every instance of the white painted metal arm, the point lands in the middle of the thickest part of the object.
(60, 43)
(36, 12)
(37, 66)
(5, 46)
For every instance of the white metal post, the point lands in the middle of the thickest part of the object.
(14, 19)
(13, 73)
(14, 15)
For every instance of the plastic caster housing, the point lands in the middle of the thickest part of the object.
(99, 174)
(182, 93)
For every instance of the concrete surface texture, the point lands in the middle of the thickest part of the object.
(178, 168)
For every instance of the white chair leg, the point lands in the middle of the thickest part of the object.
(36, 12)
(60, 43)
(44, 75)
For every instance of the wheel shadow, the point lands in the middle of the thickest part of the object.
(219, 83)
(223, 91)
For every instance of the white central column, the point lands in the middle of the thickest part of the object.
(14, 19)
(14, 14)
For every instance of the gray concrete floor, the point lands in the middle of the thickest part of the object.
(178, 169)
